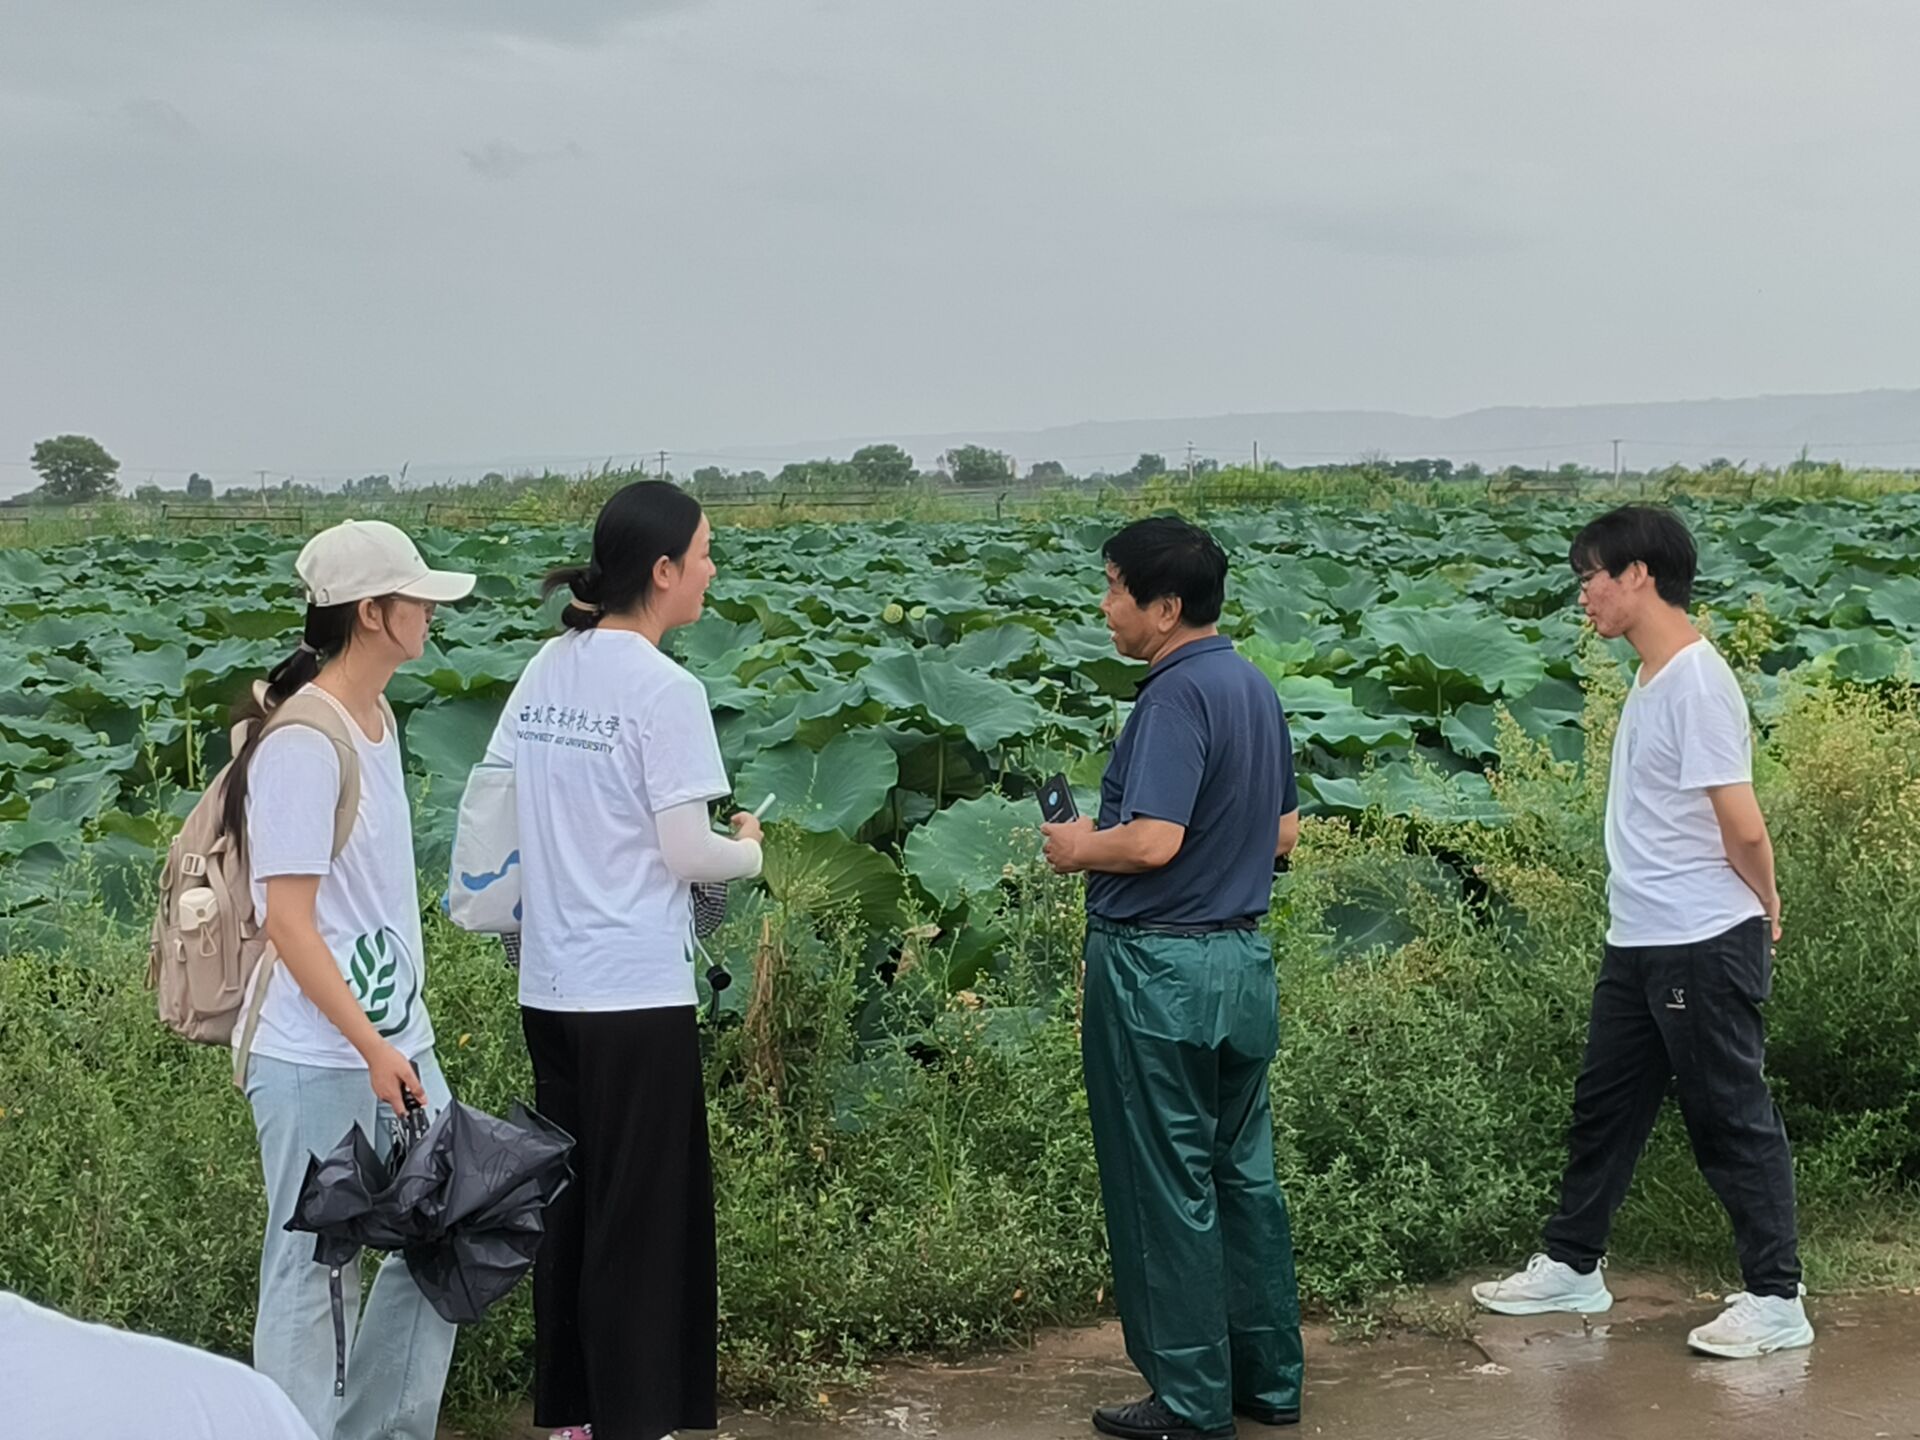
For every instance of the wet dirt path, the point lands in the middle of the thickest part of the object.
(1627, 1377)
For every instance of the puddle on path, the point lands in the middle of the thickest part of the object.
(1627, 1377)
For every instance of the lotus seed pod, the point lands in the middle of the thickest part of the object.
(893, 614)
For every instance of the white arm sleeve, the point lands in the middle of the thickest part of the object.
(693, 852)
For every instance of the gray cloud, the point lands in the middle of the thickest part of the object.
(572, 21)
(158, 118)
(503, 160)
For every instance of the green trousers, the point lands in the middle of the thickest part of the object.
(1177, 1038)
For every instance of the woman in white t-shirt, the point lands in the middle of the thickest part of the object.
(616, 763)
(343, 1037)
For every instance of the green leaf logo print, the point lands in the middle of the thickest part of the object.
(374, 973)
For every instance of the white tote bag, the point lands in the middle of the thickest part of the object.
(483, 888)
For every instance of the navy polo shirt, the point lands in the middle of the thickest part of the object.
(1205, 747)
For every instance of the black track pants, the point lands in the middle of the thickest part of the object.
(1686, 1015)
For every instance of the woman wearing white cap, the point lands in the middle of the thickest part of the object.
(342, 1036)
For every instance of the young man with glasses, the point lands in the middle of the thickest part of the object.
(1689, 957)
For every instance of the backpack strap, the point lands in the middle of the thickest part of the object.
(313, 712)
(320, 712)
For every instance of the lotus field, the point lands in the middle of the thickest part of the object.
(897, 685)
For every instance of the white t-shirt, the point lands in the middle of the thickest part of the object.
(1669, 881)
(368, 905)
(604, 732)
(60, 1376)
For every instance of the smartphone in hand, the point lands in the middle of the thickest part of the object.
(1056, 801)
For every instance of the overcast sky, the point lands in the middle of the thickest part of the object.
(330, 236)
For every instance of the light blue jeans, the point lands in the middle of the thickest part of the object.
(399, 1350)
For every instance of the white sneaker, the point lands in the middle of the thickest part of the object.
(1754, 1325)
(1545, 1287)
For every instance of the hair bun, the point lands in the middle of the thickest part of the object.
(585, 585)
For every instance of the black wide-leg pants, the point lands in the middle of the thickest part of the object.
(625, 1287)
(1686, 1016)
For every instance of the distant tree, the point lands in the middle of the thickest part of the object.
(493, 477)
(1206, 467)
(977, 465)
(817, 475)
(368, 487)
(199, 487)
(884, 467)
(1471, 471)
(150, 494)
(1047, 472)
(1148, 466)
(75, 468)
(710, 477)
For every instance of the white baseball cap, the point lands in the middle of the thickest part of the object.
(364, 559)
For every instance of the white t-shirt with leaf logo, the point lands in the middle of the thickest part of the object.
(368, 905)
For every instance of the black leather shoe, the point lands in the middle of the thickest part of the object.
(1150, 1420)
(1267, 1414)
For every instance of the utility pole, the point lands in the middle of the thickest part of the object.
(1256, 456)
(263, 489)
(1189, 462)
(663, 464)
(1616, 464)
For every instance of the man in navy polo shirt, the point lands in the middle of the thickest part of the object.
(1181, 1018)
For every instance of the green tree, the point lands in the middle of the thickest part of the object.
(74, 468)
(883, 467)
(977, 465)
(1148, 466)
(817, 475)
(1047, 472)
(199, 487)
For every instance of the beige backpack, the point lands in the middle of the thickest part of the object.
(207, 942)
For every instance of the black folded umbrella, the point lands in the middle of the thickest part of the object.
(463, 1198)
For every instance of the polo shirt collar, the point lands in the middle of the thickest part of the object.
(1207, 646)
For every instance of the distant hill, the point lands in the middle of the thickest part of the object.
(1869, 428)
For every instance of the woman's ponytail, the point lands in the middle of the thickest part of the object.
(584, 583)
(325, 635)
